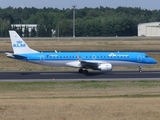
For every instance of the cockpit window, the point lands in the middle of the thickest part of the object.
(147, 56)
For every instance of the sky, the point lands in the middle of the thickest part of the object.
(60, 4)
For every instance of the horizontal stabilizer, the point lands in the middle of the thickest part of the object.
(12, 55)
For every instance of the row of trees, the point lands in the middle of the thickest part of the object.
(100, 21)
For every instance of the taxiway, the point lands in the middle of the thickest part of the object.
(74, 76)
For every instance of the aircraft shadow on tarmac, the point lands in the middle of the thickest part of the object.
(50, 73)
(76, 75)
(28, 73)
(98, 73)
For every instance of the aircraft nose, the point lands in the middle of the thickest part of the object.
(154, 61)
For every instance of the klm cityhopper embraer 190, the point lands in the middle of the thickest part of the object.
(103, 61)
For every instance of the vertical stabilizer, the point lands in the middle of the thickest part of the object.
(18, 45)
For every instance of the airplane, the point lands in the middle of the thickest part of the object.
(103, 61)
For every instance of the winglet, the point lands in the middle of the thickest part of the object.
(79, 58)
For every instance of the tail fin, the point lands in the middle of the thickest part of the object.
(18, 45)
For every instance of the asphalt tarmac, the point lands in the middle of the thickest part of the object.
(74, 76)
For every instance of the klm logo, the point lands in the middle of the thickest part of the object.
(19, 44)
(112, 55)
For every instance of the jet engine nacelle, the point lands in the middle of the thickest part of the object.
(105, 67)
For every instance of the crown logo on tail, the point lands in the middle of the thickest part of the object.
(19, 41)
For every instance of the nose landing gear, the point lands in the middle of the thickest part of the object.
(140, 69)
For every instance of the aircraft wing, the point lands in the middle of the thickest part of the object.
(96, 65)
(86, 64)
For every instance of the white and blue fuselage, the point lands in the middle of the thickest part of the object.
(103, 61)
(70, 59)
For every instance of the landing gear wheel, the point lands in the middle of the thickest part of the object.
(140, 69)
(85, 72)
(81, 70)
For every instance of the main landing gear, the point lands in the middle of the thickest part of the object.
(83, 71)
